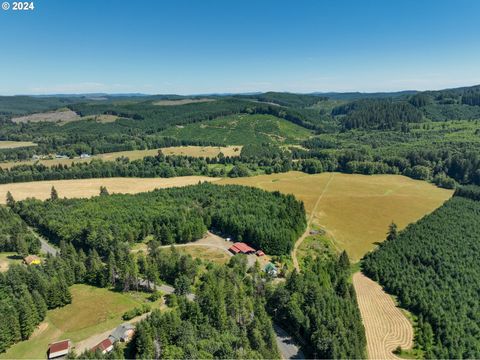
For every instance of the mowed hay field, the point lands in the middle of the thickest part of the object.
(84, 188)
(355, 210)
(194, 151)
(15, 144)
(93, 310)
(386, 327)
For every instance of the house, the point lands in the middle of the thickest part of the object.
(271, 269)
(58, 349)
(85, 156)
(32, 260)
(123, 332)
(241, 248)
(105, 346)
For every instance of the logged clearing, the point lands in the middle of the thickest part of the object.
(60, 116)
(181, 102)
(93, 310)
(15, 144)
(355, 210)
(7, 259)
(194, 151)
(386, 327)
(85, 188)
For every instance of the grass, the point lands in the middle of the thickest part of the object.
(315, 246)
(7, 259)
(195, 151)
(204, 253)
(15, 144)
(84, 188)
(241, 130)
(355, 210)
(93, 310)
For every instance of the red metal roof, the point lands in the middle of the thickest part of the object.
(234, 249)
(104, 345)
(59, 346)
(242, 247)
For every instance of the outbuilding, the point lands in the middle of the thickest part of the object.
(123, 332)
(32, 260)
(105, 346)
(58, 349)
(241, 248)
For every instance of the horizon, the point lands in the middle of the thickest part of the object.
(213, 47)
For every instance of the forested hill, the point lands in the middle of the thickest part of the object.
(434, 269)
(268, 221)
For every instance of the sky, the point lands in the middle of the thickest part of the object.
(225, 46)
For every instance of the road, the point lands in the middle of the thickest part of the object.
(46, 247)
(287, 345)
(309, 223)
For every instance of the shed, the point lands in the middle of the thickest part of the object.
(58, 349)
(271, 269)
(260, 253)
(105, 346)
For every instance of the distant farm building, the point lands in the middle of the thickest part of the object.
(123, 332)
(241, 248)
(104, 347)
(58, 349)
(32, 260)
(260, 253)
(85, 156)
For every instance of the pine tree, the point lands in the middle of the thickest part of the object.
(103, 191)
(39, 304)
(53, 194)
(392, 232)
(10, 199)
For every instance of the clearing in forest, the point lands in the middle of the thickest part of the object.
(93, 310)
(181, 102)
(241, 130)
(85, 188)
(355, 210)
(59, 116)
(15, 144)
(386, 327)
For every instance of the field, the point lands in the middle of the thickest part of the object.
(7, 259)
(15, 144)
(181, 102)
(386, 327)
(355, 210)
(194, 151)
(91, 187)
(59, 116)
(241, 130)
(93, 310)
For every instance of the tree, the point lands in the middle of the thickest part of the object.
(103, 191)
(182, 285)
(53, 194)
(10, 199)
(392, 233)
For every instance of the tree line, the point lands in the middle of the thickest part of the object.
(433, 268)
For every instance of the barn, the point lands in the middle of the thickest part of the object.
(105, 346)
(58, 349)
(241, 248)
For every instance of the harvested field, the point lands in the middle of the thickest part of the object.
(195, 151)
(90, 187)
(60, 116)
(181, 102)
(15, 144)
(386, 327)
(355, 210)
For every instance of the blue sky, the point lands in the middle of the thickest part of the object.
(205, 46)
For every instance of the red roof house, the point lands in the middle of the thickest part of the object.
(241, 248)
(105, 346)
(60, 348)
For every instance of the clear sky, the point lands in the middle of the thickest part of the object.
(205, 46)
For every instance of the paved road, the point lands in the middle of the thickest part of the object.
(287, 346)
(46, 247)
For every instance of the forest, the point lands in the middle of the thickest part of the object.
(433, 269)
(15, 235)
(269, 221)
(319, 306)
